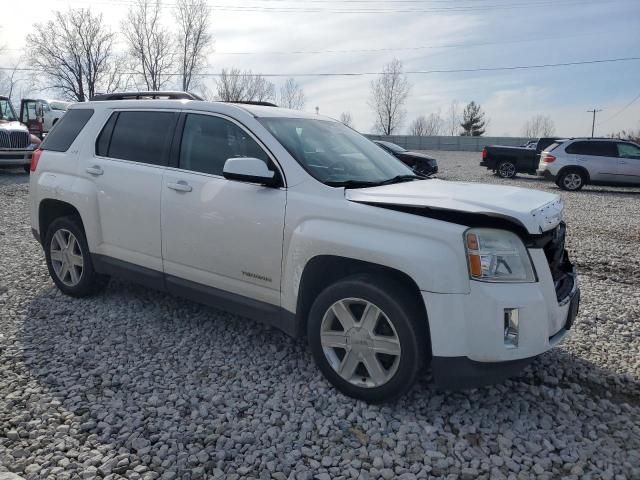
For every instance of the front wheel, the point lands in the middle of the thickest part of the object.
(364, 340)
(506, 169)
(69, 260)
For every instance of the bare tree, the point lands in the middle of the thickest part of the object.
(347, 119)
(236, 86)
(632, 135)
(539, 126)
(150, 44)
(291, 95)
(194, 39)
(426, 126)
(453, 119)
(10, 80)
(388, 93)
(75, 52)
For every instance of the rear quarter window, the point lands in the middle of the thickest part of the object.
(66, 130)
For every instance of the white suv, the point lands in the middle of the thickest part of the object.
(576, 162)
(298, 221)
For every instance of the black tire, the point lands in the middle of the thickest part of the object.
(27, 168)
(571, 179)
(90, 282)
(400, 309)
(506, 169)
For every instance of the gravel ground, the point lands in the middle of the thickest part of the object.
(137, 384)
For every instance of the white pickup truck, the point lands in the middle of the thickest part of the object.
(298, 221)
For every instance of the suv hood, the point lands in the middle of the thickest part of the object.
(535, 210)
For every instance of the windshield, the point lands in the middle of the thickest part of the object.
(393, 147)
(333, 153)
(6, 111)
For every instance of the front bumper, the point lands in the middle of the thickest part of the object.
(467, 330)
(15, 158)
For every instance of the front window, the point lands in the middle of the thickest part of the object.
(335, 154)
(628, 150)
(6, 111)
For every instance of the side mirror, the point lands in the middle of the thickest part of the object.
(251, 170)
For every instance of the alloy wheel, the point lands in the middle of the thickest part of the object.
(66, 257)
(572, 181)
(507, 170)
(360, 342)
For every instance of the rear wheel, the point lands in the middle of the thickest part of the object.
(571, 180)
(506, 169)
(363, 338)
(69, 260)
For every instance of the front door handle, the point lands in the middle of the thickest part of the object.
(95, 170)
(180, 186)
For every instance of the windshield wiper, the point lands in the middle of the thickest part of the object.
(363, 183)
(401, 178)
(352, 184)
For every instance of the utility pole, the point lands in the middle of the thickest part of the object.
(593, 124)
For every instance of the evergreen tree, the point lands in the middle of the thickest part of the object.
(473, 122)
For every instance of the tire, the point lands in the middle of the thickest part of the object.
(506, 169)
(69, 260)
(571, 180)
(27, 168)
(370, 376)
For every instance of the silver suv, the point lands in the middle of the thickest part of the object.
(576, 162)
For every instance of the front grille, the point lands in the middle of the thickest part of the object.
(16, 139)
(559, 264)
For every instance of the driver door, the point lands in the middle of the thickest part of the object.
(219, 233)
(628, 170)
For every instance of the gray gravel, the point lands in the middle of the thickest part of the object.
(140, 385)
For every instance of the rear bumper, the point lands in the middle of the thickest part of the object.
(546, 174)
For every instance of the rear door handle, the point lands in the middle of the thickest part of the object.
(95, 170)
(180, 186)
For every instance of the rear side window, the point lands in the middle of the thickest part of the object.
(66, 130)
(601, 149)
(137, 136)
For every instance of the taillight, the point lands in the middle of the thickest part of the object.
(485, 154)
(35, 156)
(548, 158)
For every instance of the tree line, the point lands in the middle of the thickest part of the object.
(75, 54)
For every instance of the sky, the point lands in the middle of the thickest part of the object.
(361, 36)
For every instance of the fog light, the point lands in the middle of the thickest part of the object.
(511, 327)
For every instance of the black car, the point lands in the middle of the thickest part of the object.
(507, 161)
(420, 163)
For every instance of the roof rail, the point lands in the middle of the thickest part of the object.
(251, 102)
(160, 95)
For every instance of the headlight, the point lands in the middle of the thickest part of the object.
(497, 256)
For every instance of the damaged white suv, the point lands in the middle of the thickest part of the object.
(298, 221)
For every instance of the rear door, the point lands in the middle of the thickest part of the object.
(628, 163)
(131, 154)
(221, 233)
(600, 158)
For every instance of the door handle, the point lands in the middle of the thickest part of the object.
(622, 162)
(95, 170)
(180, 186)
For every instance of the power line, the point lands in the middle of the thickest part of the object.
(620, 111)
(410, 72)
(371, 10)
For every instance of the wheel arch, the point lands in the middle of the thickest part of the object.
(49, 209)
(579, 168)
(323, 270)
